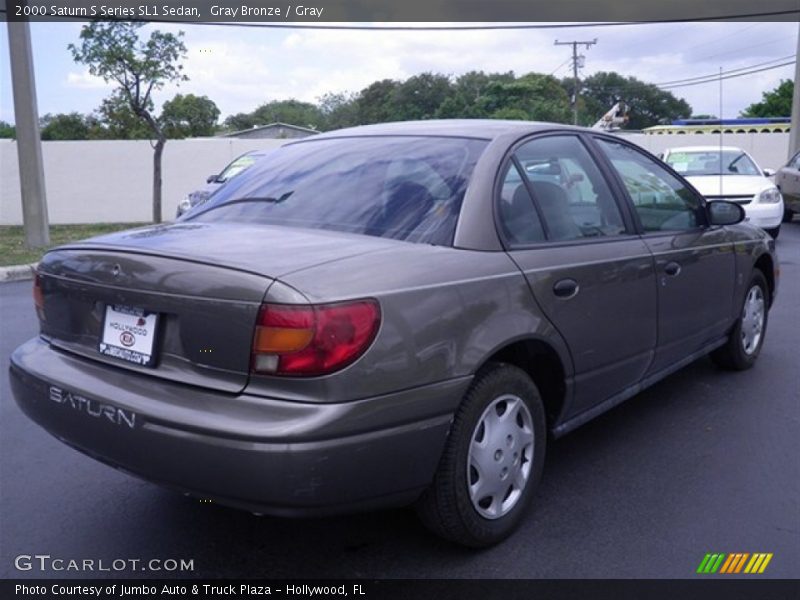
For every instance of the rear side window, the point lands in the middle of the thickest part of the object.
(406, 188)
(662, 201)
(518, 217)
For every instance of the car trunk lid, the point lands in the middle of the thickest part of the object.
(204, 282)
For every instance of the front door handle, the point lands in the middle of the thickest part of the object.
(566, 288)
(672, 268)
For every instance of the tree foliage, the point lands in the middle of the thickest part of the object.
(7, 130)
(71, 126)
(189, 116)
(649, 105)
(774, 103)
(338, 110)
(292, 112)
(119, 122)
(113, 51)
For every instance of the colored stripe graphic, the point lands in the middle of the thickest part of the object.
(734, 563)
(710, 563)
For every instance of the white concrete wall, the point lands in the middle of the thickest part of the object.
(111, 181)
(770, 150)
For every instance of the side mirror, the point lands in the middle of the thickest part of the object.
(722, 212)
(769, 172)
(212, 178)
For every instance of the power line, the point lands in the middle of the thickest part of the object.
(726, 17)
(716, 75)
(719, 39)
(553, 72)
(769, 43)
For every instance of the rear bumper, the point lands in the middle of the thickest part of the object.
(260, 454)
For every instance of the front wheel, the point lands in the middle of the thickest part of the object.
(747, 337)
(492, 461)
(774, 232)
(787, 215)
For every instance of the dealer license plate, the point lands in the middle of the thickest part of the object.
(129, 334)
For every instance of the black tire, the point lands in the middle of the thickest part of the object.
(774, 232)
(733, 355)
(787, 215)
(446, 508)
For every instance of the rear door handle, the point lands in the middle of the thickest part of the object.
(672, 268)
(566, 288)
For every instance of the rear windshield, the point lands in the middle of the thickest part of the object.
(406, 188)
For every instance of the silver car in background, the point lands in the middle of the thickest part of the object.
(390, 315)
(788, 181)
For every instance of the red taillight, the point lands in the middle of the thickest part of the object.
(312, 339)
(38, 297)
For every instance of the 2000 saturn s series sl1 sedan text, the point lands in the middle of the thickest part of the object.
(389, 315)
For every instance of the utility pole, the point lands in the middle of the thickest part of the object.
(29, 146)
(794, 132)
(575, 65)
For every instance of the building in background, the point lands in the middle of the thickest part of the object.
(275, 131)
(741, 125)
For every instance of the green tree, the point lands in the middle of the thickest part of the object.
(374, 104)
(467, 100)
(7, 130)
(774, 103)
(419, 97)
(339, 110)
(291, 112)
(116, 121)
(649, 105)
(189, 116)
(113, 51)
(239, 122)
(71, 126)
(533, 97)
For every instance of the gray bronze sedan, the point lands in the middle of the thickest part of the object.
(390, 315)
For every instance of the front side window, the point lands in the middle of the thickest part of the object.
(712, 162)
(570, 191)
(662, 201)
(406, 188)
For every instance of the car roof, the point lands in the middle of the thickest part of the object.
(705, 149)
(488, 129)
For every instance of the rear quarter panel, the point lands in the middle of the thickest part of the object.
(444, 312)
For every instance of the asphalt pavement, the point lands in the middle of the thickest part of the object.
(705, 461)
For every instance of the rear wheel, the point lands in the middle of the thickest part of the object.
(747, 337)
(492, 461)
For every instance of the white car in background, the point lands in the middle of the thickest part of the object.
(729, 173)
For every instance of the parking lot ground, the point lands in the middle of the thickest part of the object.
(705, 461)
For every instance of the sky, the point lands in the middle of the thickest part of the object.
(241, 68)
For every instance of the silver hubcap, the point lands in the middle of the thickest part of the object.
(752, 319)
(500, 456)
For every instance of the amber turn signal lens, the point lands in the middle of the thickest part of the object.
(279, 339)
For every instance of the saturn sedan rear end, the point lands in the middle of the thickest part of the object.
(389, 315)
